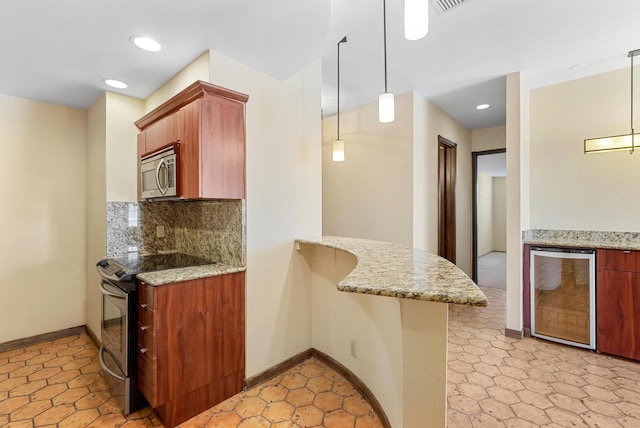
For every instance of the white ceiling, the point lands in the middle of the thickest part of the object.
(60, 51)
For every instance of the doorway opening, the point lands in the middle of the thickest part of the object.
(447, 151)
(489, 218)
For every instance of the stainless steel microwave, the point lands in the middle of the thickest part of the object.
(159, 173)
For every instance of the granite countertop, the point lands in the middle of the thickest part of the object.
(393, 270)
(582, 239)
(184, 274)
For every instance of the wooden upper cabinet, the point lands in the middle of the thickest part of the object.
(161, 133)
(209, 123)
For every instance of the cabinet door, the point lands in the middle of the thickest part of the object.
(200, 335)
(222, 134)
(164, 131)
(213, 149)
(190, 164)
(618, 313)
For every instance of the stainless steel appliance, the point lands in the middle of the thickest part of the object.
(119, 330)
(119, 335)
(563, 295)
(159, 173)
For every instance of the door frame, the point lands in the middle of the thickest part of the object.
(474, 224)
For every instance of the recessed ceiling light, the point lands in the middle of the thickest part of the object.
(146, 43)
(482, 106)
(115, 83)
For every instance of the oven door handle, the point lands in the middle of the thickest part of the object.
(104, 365)
(109, 293)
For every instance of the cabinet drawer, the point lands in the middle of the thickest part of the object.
(621, 260)
(147, 317)
(147, 339)
(146, 295)
(147, 382)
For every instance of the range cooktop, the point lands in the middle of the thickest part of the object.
(155, 262)
(127, 267)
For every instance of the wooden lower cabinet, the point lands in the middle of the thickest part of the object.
(618, 303)
(191, 353)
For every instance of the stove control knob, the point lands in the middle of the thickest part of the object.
(120, 273)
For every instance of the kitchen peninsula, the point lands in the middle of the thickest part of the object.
(396, 346)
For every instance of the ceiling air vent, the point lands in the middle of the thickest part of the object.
(442, 6)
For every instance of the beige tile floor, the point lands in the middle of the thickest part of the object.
(495, 381)
(59, 384)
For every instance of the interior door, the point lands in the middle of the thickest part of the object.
(447, 199)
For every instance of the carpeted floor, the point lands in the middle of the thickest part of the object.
(492, 270)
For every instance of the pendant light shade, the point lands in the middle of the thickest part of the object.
(416, 19)
(338, 144)
(609, 144)
(616, 142)
(386, 104)
(386, 108)
(338, 150)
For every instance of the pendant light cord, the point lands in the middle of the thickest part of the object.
(633, 136)
(384, 25)
(338, 121)
(343, 40)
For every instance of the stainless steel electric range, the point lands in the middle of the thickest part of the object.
(119, 325)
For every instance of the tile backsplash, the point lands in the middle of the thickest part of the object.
(210, 229)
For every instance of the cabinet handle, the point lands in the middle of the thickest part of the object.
(626, 251)
(144, 327)
(144, 306)
(143, 350)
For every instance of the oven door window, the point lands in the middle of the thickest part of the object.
(114, 323)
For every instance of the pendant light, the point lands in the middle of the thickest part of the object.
(615, 142)
(386, 107)
(416, 19)
(338, 144)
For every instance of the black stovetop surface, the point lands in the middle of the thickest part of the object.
(137, 263)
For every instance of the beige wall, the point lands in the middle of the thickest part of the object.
(517, 126)
(429, 122)
(111, 176)
(369, 195)
(121, 146)
(492, 211)
(440, 123)
(485, 214)
(489, 138)
(283, 203)
(499, 209)
(198, 69)
(96, 244)
(387, 187)
(571, 190)
(43, 217)
(374, 323)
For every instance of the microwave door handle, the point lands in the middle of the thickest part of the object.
(162, 162)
